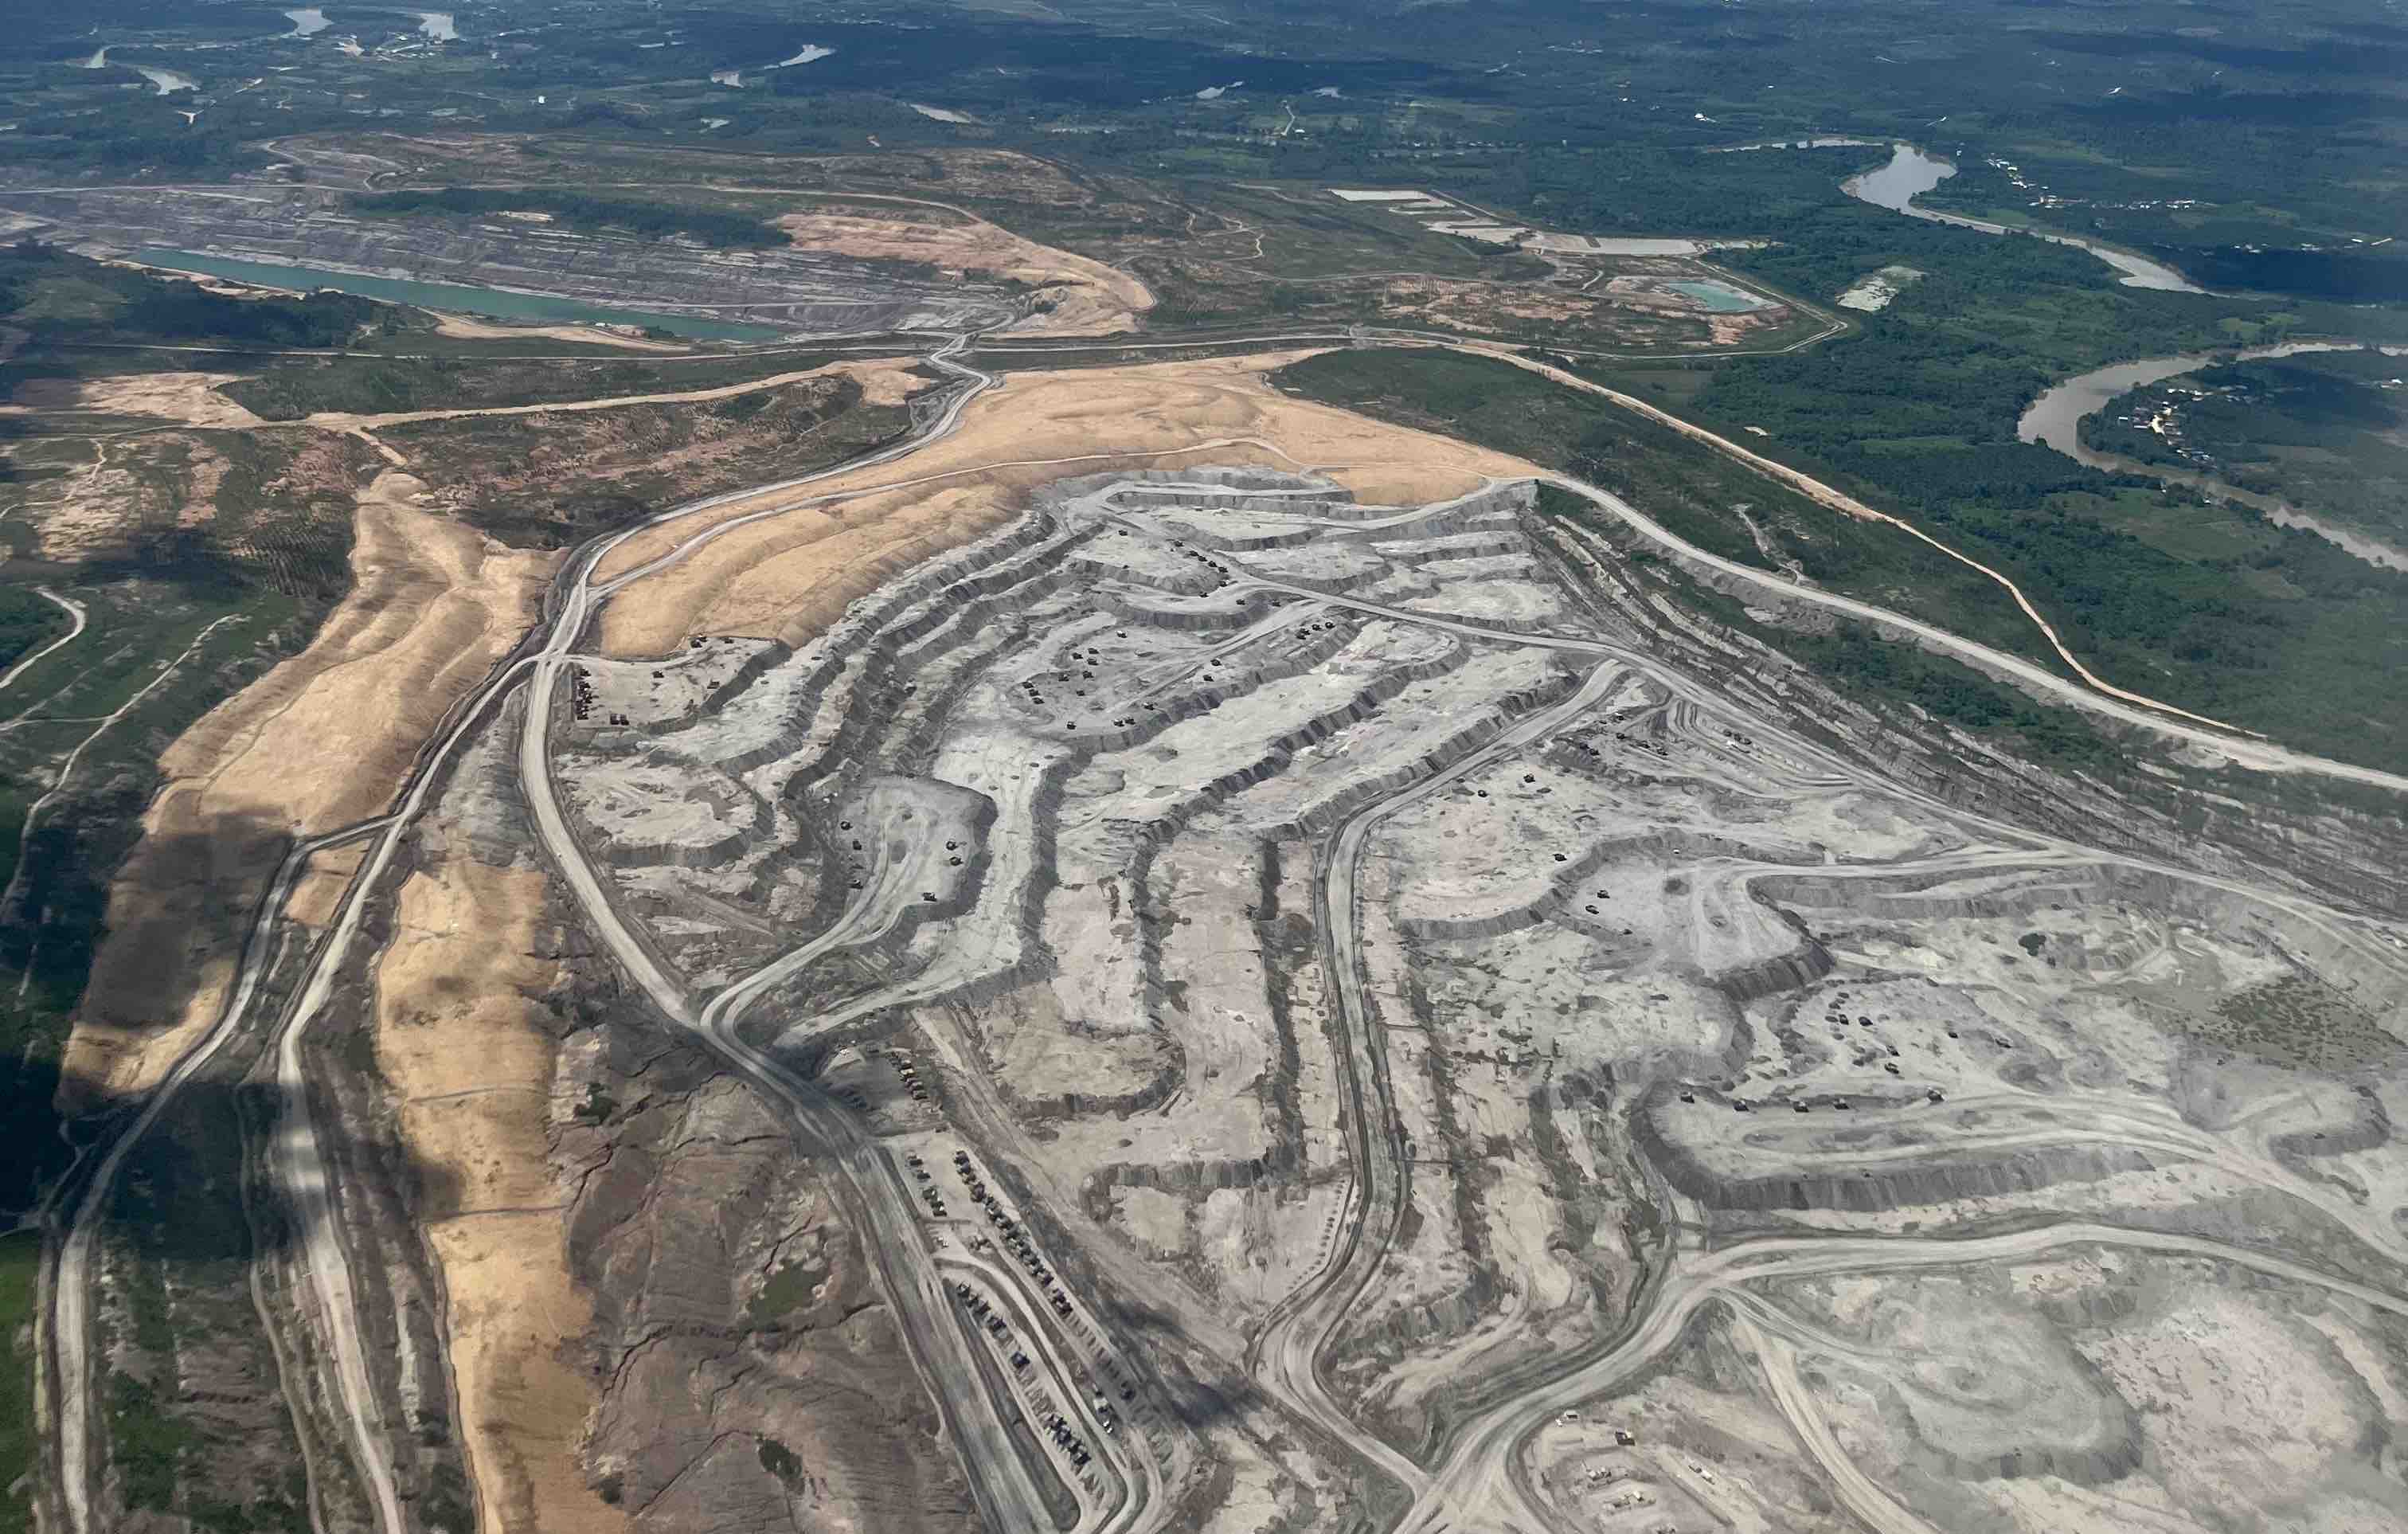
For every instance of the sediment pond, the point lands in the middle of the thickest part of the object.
(1719, 297)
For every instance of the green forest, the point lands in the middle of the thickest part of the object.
(57, 297)
(2212, 609)
(2328, 433)
(714, 227)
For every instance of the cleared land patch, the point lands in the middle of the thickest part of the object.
(795, 572)
(318, 742)
(461, 1038)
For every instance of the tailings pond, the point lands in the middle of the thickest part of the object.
(496, 302)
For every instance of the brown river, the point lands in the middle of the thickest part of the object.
(2055, 418)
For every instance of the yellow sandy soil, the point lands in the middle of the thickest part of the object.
(459, 1035)
(190, 398)
(134, 483)
(319, 892)
(321, 741)
(789, 576)
(1089, 298)
(884, 380)
(460, 325)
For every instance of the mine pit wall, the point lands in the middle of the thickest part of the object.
(842, 668)
(1169, 1074)
(849, 657)
(2115, 1447)
(1284, 1156)
(690, 1354)
(771, 655)
(2369, 1129)
(1944, 1178)
(2373, 981)
(1782, 972)
(618, 852)
(2235, 823)
(1513, 707)
(889, 954)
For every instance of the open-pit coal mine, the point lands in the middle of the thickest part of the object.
(1217, 1006)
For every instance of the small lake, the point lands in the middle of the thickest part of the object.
(456, 297)
(166, 82)
(2055, 419)
(306, 24)
(1911, 173)
(1895, 186)
(1719, 297)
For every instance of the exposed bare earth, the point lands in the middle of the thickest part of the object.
(461, 1038)
(465, 328)
(1648, 977)
(884, 382)
(1088, 297)
(786, 576)
(1420, 1026)
(128, 483)
(190, 398)
(318, 742)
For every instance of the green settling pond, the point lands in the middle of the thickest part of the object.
(1719, 297)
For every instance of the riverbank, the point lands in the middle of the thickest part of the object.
(1911, 173)
(2055, 420)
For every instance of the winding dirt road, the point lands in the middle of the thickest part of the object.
(67, 1321)
(1285, 1356)
(75, 609)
